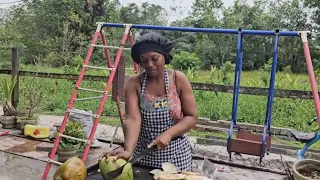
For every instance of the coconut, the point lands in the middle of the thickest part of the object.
(107, 165)
(73, 169)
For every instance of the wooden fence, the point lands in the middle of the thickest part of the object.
(293, 94)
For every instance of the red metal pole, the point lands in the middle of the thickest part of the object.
(4, 133)
(106, 51)
(73, 97)
(312, 77)
(105, 96)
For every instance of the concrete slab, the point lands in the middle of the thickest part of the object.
(13, 167)
(24, 168)
(28, 148)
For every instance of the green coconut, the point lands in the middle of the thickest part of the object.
(107, 165)
(72, 169)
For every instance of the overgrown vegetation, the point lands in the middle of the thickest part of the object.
(286, 112)
(54, 35)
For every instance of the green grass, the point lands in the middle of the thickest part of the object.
(286, 112)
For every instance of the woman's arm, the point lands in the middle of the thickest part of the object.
(188, 106)
(132, 122)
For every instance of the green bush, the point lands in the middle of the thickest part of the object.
(185, 60)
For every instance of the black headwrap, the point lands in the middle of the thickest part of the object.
(151, 42)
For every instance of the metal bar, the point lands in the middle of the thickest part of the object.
(110, 47)
(71, 102)
(272, 81)
(88, 98)
(205, 30)
(96, 67)
(237, 78)
(106, 50)
(314, 86)
(235, 89)
(54, 162)
(91, 90)
(267, 122)
(70, 137)
(101, 105)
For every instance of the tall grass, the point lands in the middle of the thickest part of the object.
(251, 109)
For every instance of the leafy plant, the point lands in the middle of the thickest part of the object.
(185, 60)
(73, 129)
(33, 94)
(8, 86)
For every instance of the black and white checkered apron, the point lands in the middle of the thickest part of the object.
(156, 118)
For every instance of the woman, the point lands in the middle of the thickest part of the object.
(160, 107)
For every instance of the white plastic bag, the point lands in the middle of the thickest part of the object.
(87, 122)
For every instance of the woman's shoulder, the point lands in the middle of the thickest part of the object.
(133, 80)
(135, 77)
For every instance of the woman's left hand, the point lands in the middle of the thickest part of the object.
(162, 141)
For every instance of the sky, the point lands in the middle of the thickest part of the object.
(185, 6)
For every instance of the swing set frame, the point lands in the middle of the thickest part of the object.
(245, 142)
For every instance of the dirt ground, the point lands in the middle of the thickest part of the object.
(13, 167)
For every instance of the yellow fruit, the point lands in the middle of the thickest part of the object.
(107, 165)
(171, 177)
(72, 169)
(190, 173)
(155, 171)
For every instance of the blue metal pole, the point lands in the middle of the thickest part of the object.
(267, 123)
(239, 74)
(205, 30)
(236, 85)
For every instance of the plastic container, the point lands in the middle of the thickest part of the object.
(36, 131)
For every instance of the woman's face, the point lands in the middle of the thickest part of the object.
(152, 62)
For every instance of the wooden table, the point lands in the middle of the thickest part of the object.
(28, 147)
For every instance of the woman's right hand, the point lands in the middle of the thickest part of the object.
(119, 153)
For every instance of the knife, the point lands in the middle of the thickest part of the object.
(117, 172)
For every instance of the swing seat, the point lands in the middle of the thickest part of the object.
(303, 137)
(248, 143)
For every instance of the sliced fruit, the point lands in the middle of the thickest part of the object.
(169, 167)
(171, 177)
(190, 173)
(194, 177)
(159, 174)
(155, 171)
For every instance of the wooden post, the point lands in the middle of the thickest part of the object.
(119, 80)
(15, 71)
